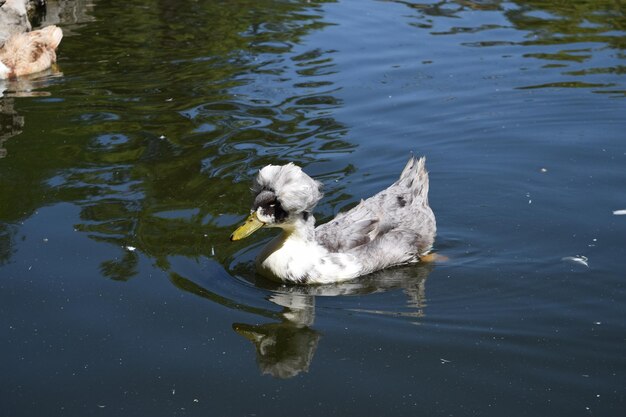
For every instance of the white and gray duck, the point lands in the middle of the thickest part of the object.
(394, 227)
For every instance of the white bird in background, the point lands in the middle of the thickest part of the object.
(13, 19)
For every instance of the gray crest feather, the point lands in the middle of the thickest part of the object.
(296, 191)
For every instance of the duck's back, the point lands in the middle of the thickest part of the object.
(392, 227)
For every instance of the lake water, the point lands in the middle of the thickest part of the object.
(124, 171)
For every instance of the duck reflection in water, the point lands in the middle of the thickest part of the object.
(285, 349)
(12, 123)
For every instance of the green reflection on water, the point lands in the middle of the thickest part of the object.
(156, 118)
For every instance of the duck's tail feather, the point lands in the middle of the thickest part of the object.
(415, 177)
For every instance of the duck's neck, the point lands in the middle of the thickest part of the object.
(302, 229)
(290, 256)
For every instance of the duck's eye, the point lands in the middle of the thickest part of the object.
(274, 209)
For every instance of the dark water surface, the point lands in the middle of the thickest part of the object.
(123, 174)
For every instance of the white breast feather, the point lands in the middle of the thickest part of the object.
(296, 260)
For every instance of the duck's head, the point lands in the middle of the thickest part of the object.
(283, 195)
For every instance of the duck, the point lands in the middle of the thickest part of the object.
(394, 227)
(29, 52)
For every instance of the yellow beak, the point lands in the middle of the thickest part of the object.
(251, 225)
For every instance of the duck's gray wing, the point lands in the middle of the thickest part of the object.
(348, 230)
(402, 208)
